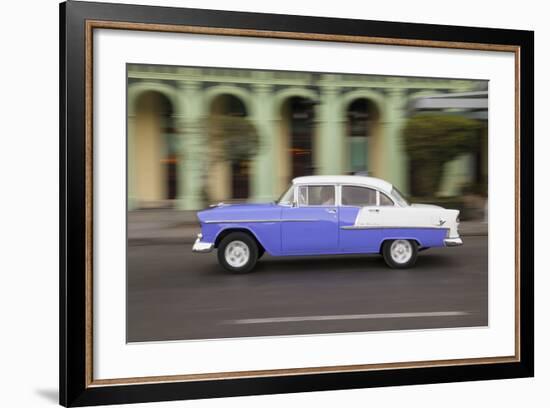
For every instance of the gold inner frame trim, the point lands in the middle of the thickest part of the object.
(99, 24)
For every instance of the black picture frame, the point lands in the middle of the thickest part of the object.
(76, 385)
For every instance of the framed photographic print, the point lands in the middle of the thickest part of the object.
(256, 203)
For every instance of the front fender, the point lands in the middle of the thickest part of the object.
(268, 234)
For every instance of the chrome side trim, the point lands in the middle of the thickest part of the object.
(363, 227)
(247, 221)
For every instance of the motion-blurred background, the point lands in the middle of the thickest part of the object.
(198, 136)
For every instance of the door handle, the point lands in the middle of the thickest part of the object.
(374, 210)
(331, 210)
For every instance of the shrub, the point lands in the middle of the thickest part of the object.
(431, 140)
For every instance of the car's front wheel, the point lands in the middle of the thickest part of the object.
(238, 252)
(400, 253)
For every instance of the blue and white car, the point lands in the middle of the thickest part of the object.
(327, 215)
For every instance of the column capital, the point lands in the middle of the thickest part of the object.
(397, 91)
(327, 90)
(397, 98)
(262, 87)
(329, 79)
(189, 84)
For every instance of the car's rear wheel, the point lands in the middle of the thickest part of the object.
(238, 252)
(400, 253)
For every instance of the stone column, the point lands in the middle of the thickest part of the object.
(330, 124)
(192, 146)
(264, 166)
(131, 162)
(395, 162)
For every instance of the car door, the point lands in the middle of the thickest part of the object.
(388, 214)
(311, 225)
(360, 217)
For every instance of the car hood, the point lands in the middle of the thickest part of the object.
(240, 212)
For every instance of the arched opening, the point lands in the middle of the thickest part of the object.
(232, 176)
(298, 131)
(362, 126)
(155, 151)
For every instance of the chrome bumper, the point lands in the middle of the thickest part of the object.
(199, 246)
(450, 242)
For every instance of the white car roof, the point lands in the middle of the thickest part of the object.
(356, 180)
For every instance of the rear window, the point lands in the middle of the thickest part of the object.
(358, 196)
(385, 200)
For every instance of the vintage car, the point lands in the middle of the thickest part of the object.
(327, 215)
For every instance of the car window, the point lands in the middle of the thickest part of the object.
(385, 200)
(316, 195)
(358, 196)
(288, 197)
(396, 194)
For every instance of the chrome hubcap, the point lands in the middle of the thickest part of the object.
(401, 251)
(237, 254)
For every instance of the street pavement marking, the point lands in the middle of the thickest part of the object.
(346, 317)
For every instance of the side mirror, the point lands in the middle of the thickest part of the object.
(294, 204)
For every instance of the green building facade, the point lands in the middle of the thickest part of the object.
(306, 123)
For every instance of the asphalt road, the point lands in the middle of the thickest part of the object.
(174, 294)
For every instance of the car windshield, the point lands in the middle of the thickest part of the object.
(288, 197)
(398, 197)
